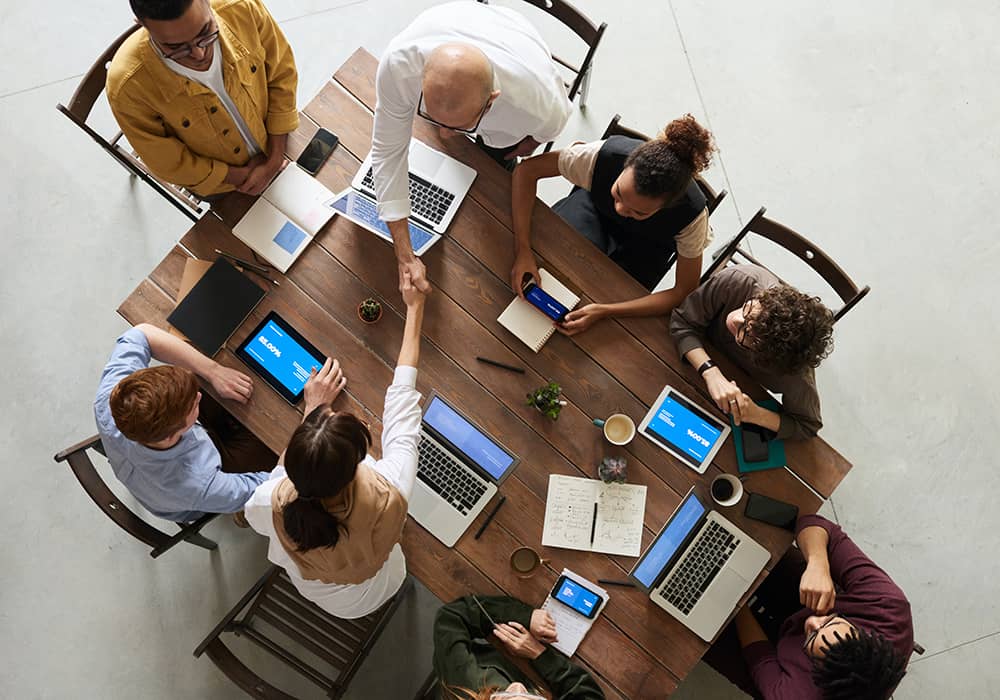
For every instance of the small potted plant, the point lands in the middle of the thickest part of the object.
(370, 310)
(546, 400)
(612, 470)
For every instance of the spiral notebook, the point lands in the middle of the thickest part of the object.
(531, 326)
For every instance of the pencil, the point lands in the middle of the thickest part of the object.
(610, 582)
(489, 518)
(501, 365)
(593, 525)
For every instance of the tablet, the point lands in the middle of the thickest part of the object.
(684, 429)
(282, 357)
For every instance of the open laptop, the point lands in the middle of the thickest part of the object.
(459, 470)
(438, 184)
(699, 566)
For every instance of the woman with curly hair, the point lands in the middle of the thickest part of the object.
(777, 334)
(635, 200)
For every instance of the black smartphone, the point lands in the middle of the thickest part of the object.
(755, 447)
(771, 511)
(577, 597)
(544, 302)
(318, 150)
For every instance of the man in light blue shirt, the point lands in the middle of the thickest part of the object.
(147, 417)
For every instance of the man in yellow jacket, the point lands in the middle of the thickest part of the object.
(205, 93)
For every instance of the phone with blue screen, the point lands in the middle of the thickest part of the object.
(544, 302)
(576, 596)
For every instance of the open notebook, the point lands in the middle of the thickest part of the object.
(571, 626)
(529, 324)
(592, 516)
(283, 221)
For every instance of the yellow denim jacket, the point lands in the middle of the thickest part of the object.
(178, 127)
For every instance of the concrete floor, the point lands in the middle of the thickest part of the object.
(871, 127)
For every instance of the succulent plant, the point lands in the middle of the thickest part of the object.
(546, 399)
(370, 310)
(612, 470)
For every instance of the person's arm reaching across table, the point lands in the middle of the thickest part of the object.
(524, 186)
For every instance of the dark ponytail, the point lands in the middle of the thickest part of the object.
(663, 167)
(321, 460)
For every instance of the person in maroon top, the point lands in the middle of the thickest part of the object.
(848, 632)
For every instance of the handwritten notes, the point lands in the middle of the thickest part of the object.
(570, 515)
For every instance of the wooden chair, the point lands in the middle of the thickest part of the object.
(712, 198)
(97, 489)
(78, 111)
(341, 645)
(841, 283)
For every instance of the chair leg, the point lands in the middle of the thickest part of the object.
(201, 541)
(585, 87)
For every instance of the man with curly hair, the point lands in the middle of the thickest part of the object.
(775, 333)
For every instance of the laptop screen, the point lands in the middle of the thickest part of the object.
(477, 447)
(670, 539)
(686, 427)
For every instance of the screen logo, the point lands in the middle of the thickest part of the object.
(269, 345)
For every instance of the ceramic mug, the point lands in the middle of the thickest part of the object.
(618, 428)
(727, 490)
(525, 561)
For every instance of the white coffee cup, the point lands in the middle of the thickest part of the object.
(727, 483)
(619, 429)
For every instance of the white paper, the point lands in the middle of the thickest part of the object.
(301, 198)
(571, 626)
(529, 324)
(258, 229)
(570, 515)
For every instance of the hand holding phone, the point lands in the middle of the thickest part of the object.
(576, 596)
(544, 302)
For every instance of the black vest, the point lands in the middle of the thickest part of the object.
(650, 242)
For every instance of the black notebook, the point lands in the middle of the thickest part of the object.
(216, 306)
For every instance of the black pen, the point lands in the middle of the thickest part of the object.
(610, 582)
(489, 518)
(245, 263)
(593, 525)
(501, 365)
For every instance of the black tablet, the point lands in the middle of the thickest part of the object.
(281, 356)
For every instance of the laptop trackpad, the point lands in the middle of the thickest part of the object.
(727, 589)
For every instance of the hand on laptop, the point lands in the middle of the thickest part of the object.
(323, 386)
(518, 641)
(543, 626)
(230, 384)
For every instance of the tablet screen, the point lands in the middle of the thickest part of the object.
(281, 356)
(685, 427)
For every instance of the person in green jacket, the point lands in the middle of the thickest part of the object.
(470, 668)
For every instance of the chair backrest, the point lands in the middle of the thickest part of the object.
(712, 198)
(293, 625)
(94, 80)
(797, 244)
(85, 472)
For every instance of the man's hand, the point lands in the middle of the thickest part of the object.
(543, 626)
(230, 384)
(417, 272)
(816, 589)
(724, 393)
(525, 148)
(581, 319)
(323, 386)
(412, 296)
(524, 264)
(261, 175)
(518, 641)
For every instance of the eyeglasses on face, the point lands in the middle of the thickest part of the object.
(201, 42)
(422, 113)
(743, 332)
(834, 617)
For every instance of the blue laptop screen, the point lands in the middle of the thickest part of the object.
(663, 549)
(282, 357)
(685, 427)
(363, 211)
(479, 448)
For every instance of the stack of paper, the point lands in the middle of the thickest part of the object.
(571, 626)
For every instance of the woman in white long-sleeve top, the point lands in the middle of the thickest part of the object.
(334, 515)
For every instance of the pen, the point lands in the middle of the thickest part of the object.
(611, 582)
(489, 518)
(501, 365)
(245, 263)
(593, 525)
(274, 282)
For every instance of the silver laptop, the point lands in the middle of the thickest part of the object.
(438, 184)
(362, 210)
(459, 469)
(699, 566)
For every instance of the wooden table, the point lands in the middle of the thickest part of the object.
(635, 649)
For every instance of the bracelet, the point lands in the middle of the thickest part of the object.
(705, 366)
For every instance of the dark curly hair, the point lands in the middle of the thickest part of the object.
(861, 666)
(791, 330)
(159, 9)
(663, 167)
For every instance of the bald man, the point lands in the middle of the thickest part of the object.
(467, 68)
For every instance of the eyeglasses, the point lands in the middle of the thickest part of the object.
(422, 113)
(834, 617)
(743, 332)
(202, 42)
(521, 696)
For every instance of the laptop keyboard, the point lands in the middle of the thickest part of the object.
(447, 477)
(429, 201)
(689, 581)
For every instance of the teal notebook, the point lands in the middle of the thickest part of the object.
(776, 448)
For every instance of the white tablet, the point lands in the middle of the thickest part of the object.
(684, 429)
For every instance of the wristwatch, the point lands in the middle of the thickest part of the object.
(705, 366)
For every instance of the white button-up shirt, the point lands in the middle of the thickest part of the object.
(532, 99)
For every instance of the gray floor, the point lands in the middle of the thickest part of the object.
(871, 127)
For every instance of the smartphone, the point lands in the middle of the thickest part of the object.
(755, 447)
(771, 511)
(576, 596)
(544, 302)
(318, 150)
